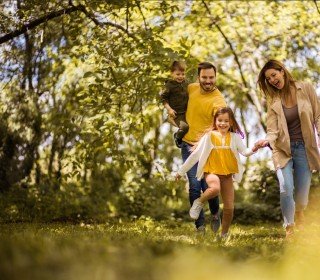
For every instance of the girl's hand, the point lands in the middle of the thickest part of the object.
(178, 177)
(255, 148)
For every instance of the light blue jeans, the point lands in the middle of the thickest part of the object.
(294, 180)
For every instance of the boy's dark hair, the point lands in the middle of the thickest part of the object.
(177, 65)
(206, 65)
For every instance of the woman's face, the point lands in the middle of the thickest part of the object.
(275, 78)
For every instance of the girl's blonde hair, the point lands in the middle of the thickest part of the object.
(269, 90)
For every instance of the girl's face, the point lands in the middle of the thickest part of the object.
(275, 78)
(223, 123)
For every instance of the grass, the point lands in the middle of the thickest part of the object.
(147, 249)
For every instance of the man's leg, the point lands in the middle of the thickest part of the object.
(194, 184)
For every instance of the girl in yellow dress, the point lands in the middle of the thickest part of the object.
(217, 154)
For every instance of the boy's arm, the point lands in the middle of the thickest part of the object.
(165, 100)
(172, 113)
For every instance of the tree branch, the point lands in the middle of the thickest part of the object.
(315, 2)
(245, 83)
(33, 24)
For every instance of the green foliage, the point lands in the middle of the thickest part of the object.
(259, 199)
(81, 130)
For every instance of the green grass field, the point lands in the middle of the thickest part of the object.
(145, 249)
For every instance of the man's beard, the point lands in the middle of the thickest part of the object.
(212, 86)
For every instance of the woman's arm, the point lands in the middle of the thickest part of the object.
(315, 103)
(272, 128)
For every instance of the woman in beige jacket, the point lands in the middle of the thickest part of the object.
(293, 124)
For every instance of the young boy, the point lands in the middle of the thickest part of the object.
(175, 100)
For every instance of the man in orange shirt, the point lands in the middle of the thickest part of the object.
(204, 100)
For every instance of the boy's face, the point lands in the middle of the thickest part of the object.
(178, 76)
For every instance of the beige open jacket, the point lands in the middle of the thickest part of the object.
(277, 130)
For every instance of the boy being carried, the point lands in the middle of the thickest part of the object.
(175, 100)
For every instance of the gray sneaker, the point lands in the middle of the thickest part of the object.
(195, 209)
(215, 222)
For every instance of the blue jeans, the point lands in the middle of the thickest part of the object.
(295, 183)
(195, 186)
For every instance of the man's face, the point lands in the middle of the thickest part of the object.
(207, 79)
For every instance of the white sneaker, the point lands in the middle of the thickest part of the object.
(196, 209)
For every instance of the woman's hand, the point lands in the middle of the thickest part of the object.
(178, 177)
(260, 144)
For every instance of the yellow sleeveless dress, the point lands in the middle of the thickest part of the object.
(221, 160)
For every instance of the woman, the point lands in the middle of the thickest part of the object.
(293, 124)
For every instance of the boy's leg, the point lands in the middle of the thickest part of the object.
(172, 121)
(180, 120)
(227, 195)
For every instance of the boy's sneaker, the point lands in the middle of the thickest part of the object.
(196, 209)
(177, 140)
(215, 222)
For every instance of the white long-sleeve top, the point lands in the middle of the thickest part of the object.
(202, 152)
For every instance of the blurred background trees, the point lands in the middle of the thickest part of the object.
(82, 132)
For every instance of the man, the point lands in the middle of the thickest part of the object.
(204, 100)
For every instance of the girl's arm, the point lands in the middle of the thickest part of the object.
(195, 155)
(241, 147)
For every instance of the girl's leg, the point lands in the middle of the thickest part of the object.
(211, 191)
(227, 194)
(213, 188)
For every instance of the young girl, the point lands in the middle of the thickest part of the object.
(218, 155)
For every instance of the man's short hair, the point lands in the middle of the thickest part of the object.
(206, 65)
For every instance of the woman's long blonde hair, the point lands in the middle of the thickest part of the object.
(269, 90)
